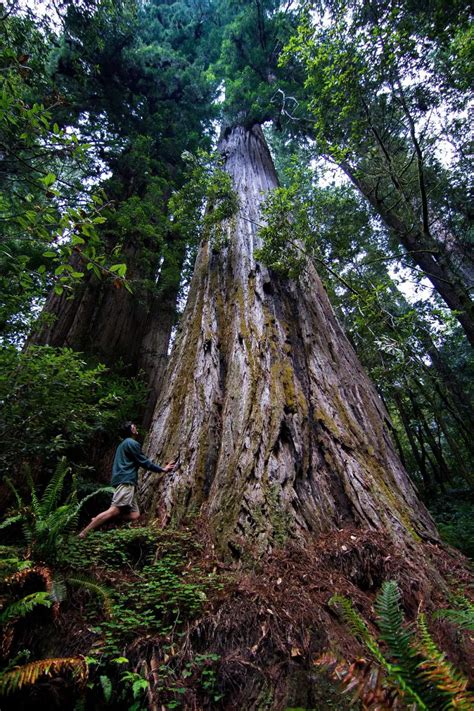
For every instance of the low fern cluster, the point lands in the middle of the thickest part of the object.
(125, 586)
(45, 521)
(414, 668)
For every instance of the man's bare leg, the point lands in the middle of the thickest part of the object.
(99, 520)
(130, 516)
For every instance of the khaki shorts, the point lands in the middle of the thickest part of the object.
(125, 496)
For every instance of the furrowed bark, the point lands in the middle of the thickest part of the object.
(115, 325)
(280, 433)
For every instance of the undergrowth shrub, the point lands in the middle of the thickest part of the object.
(129, 588)
(54, 402)
(455, 522)
(45, 521)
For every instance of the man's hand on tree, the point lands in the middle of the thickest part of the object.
(170, 466)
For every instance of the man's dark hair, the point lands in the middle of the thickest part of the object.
(126, 429)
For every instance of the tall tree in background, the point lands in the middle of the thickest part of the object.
(279, 431)
(386, 100)
(134, 80)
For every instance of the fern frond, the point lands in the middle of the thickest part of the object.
(8, 550)
(441, 673)
(93, 586)
(463, 618)
(397, 635)
(19, 500)
(352, 618)
(13, 565)
(53, 491)
(11, 520)
(35, 502)
(30, 673)
(22, 607)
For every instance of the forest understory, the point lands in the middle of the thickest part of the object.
(152, 618)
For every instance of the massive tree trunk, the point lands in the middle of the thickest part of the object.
(280, 433)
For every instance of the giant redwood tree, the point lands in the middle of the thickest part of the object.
(132, 79)
(279, 431)
(288, 481)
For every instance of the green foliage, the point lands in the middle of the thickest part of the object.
(203, 203)
(118, 549)
(160, 598)
(462, 616)
(413, 664)
(149, 589)
(156, 592)
(371, 82)
(249, 46)
(399, 638)
(45, 522)
(54, 402)
(138, 685)
(453, 516)
(22, 607)
(46, 212)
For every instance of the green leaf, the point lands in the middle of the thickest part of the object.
(106, 685)
(48, 179)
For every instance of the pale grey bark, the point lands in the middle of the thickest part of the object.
(279, 430)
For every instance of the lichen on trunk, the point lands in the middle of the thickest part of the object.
(280, 433)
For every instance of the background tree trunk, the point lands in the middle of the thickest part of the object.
(115, 325)
(445, 264)
(278, 428)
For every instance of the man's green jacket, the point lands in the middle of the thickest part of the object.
(128, 458)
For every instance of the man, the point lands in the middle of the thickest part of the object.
(128, 457)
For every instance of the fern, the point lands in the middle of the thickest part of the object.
(440, 673)
(17, 496)
(53, 491)
(22, 607)
(352, 618)
(44, 523)
(35, 503)
(11, 520)
(9, 566)
(30, 673)
(463, 617)
(93, 586)
(415, 667)
(359, 629)
(397, 635)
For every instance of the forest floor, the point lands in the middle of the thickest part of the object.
(152, 618)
